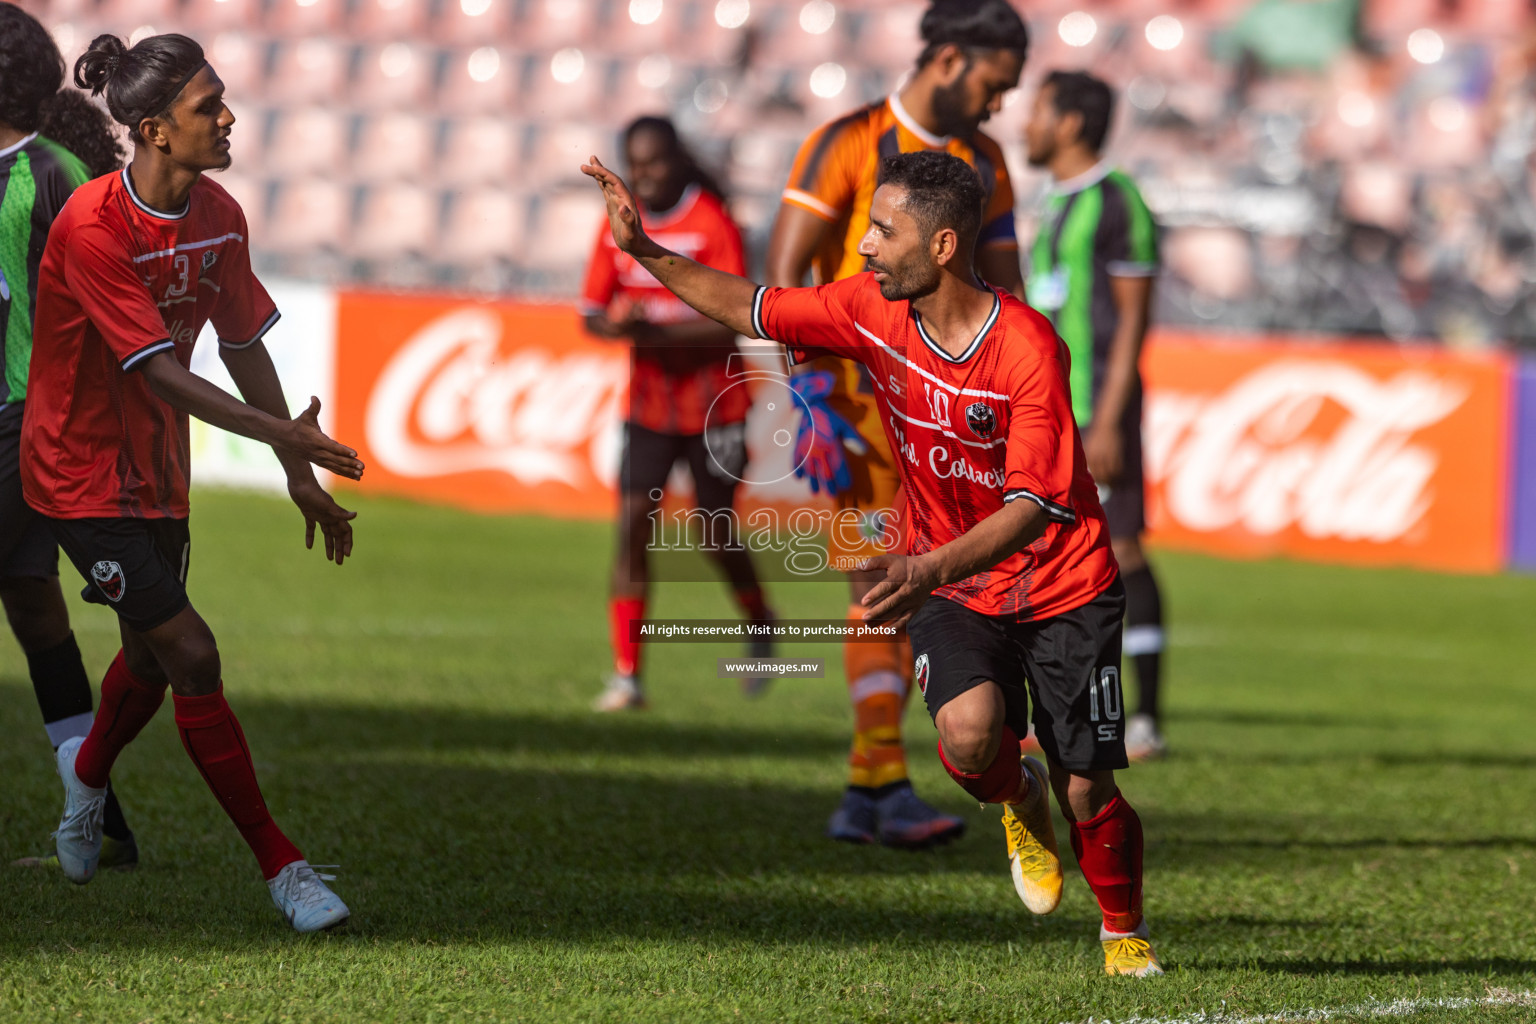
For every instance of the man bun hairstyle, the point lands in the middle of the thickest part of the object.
(140, 82)
(1090, 98)
(943, 191)
(974, 26)
(31, 69)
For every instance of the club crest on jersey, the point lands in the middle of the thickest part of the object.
(108, 577)
(209, 259)
(920, 669)
(981, 419)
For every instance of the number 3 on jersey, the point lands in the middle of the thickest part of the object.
(183, 271)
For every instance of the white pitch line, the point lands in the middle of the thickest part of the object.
(1396, 1008)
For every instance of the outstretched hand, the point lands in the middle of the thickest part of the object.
(320, 508)
(896, 598)
(623, 212)
(306, 439)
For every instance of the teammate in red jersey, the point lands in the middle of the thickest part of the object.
(680, 368)
(136, 263)
(1008, 585)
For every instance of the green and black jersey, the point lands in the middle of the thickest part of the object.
(1094, 227)
(36, 176)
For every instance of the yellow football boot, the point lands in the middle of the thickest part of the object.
(1129, 954)
(1031, 836)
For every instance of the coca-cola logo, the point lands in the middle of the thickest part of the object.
(1317, 445)
(454, 400)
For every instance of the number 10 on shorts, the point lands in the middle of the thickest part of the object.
(1104, 702)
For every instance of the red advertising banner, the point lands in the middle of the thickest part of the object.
(1361, 453)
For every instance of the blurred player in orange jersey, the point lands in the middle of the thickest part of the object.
(973, 55)
(680, 369)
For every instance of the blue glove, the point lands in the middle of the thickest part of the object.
(819, 456)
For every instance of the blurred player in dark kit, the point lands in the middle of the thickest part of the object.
(1091, 271)
(51, 141)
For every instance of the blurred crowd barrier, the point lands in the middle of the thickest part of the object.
(1347, 452)
(1319, 165)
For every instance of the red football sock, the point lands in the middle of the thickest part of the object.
(127, 705)
(626, 646)
(1108, 849)
(1002, 781)
(753, 605)
(216, 745)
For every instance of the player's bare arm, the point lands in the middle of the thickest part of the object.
(252, 371)
(724, 298)
(909, 579)
(302, 436)
(797, 234)
(1102, 445)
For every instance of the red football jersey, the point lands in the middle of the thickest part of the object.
(699, 228)
(120, 282)
(973, 432)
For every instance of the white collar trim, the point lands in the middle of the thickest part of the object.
(1089, 178)
(910, 124)
(141, 204)
(678, 210)
(8, 150)
(971, 349)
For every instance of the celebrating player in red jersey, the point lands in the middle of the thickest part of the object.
(1008, 586)
(681, 366)
(135, 264)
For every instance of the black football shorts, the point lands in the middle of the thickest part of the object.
(1067, 668)
(26, 545)
(136, 567)
(716, 460)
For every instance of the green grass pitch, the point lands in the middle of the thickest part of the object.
(1348, 818)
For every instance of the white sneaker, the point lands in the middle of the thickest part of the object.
(1142, 740)
(78, 837)
(620, 693)
(301, 896)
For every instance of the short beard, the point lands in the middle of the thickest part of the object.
(949, 108)
(903, 288)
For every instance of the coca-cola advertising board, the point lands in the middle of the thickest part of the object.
(1362, 453)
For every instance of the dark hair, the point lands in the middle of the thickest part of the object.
(974, 26)
(141, 82)
(1078, 92)
(31, 69)
(84, 129)
(693, 174)
(943, 191)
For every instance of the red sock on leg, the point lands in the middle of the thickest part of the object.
(753, 605)
(214, 741)
(1108, 849)
(127, 705)
(626, 646)
(1000, 782)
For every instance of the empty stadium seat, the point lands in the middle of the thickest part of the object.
(312, 70)
(550, 98)
(309, 214)
(475, 22)
(486, 224)
(240, 61)
(548, 25)
(389, 20)
(564, 230)
(297, 19)
(130, 14)
(395, 75)
(480, 80)
(251, 194)
(309, 140)
(201, 17)
(480, 150)
(639, 27)
(395, 220)
(394, 146)
(559, 150)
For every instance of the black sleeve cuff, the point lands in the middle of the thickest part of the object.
(1056, 513)
(136, 359)
(757, 312)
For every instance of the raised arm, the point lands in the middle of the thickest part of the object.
(724, 298)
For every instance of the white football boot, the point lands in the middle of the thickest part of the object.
(78, 837)
(303, 898)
